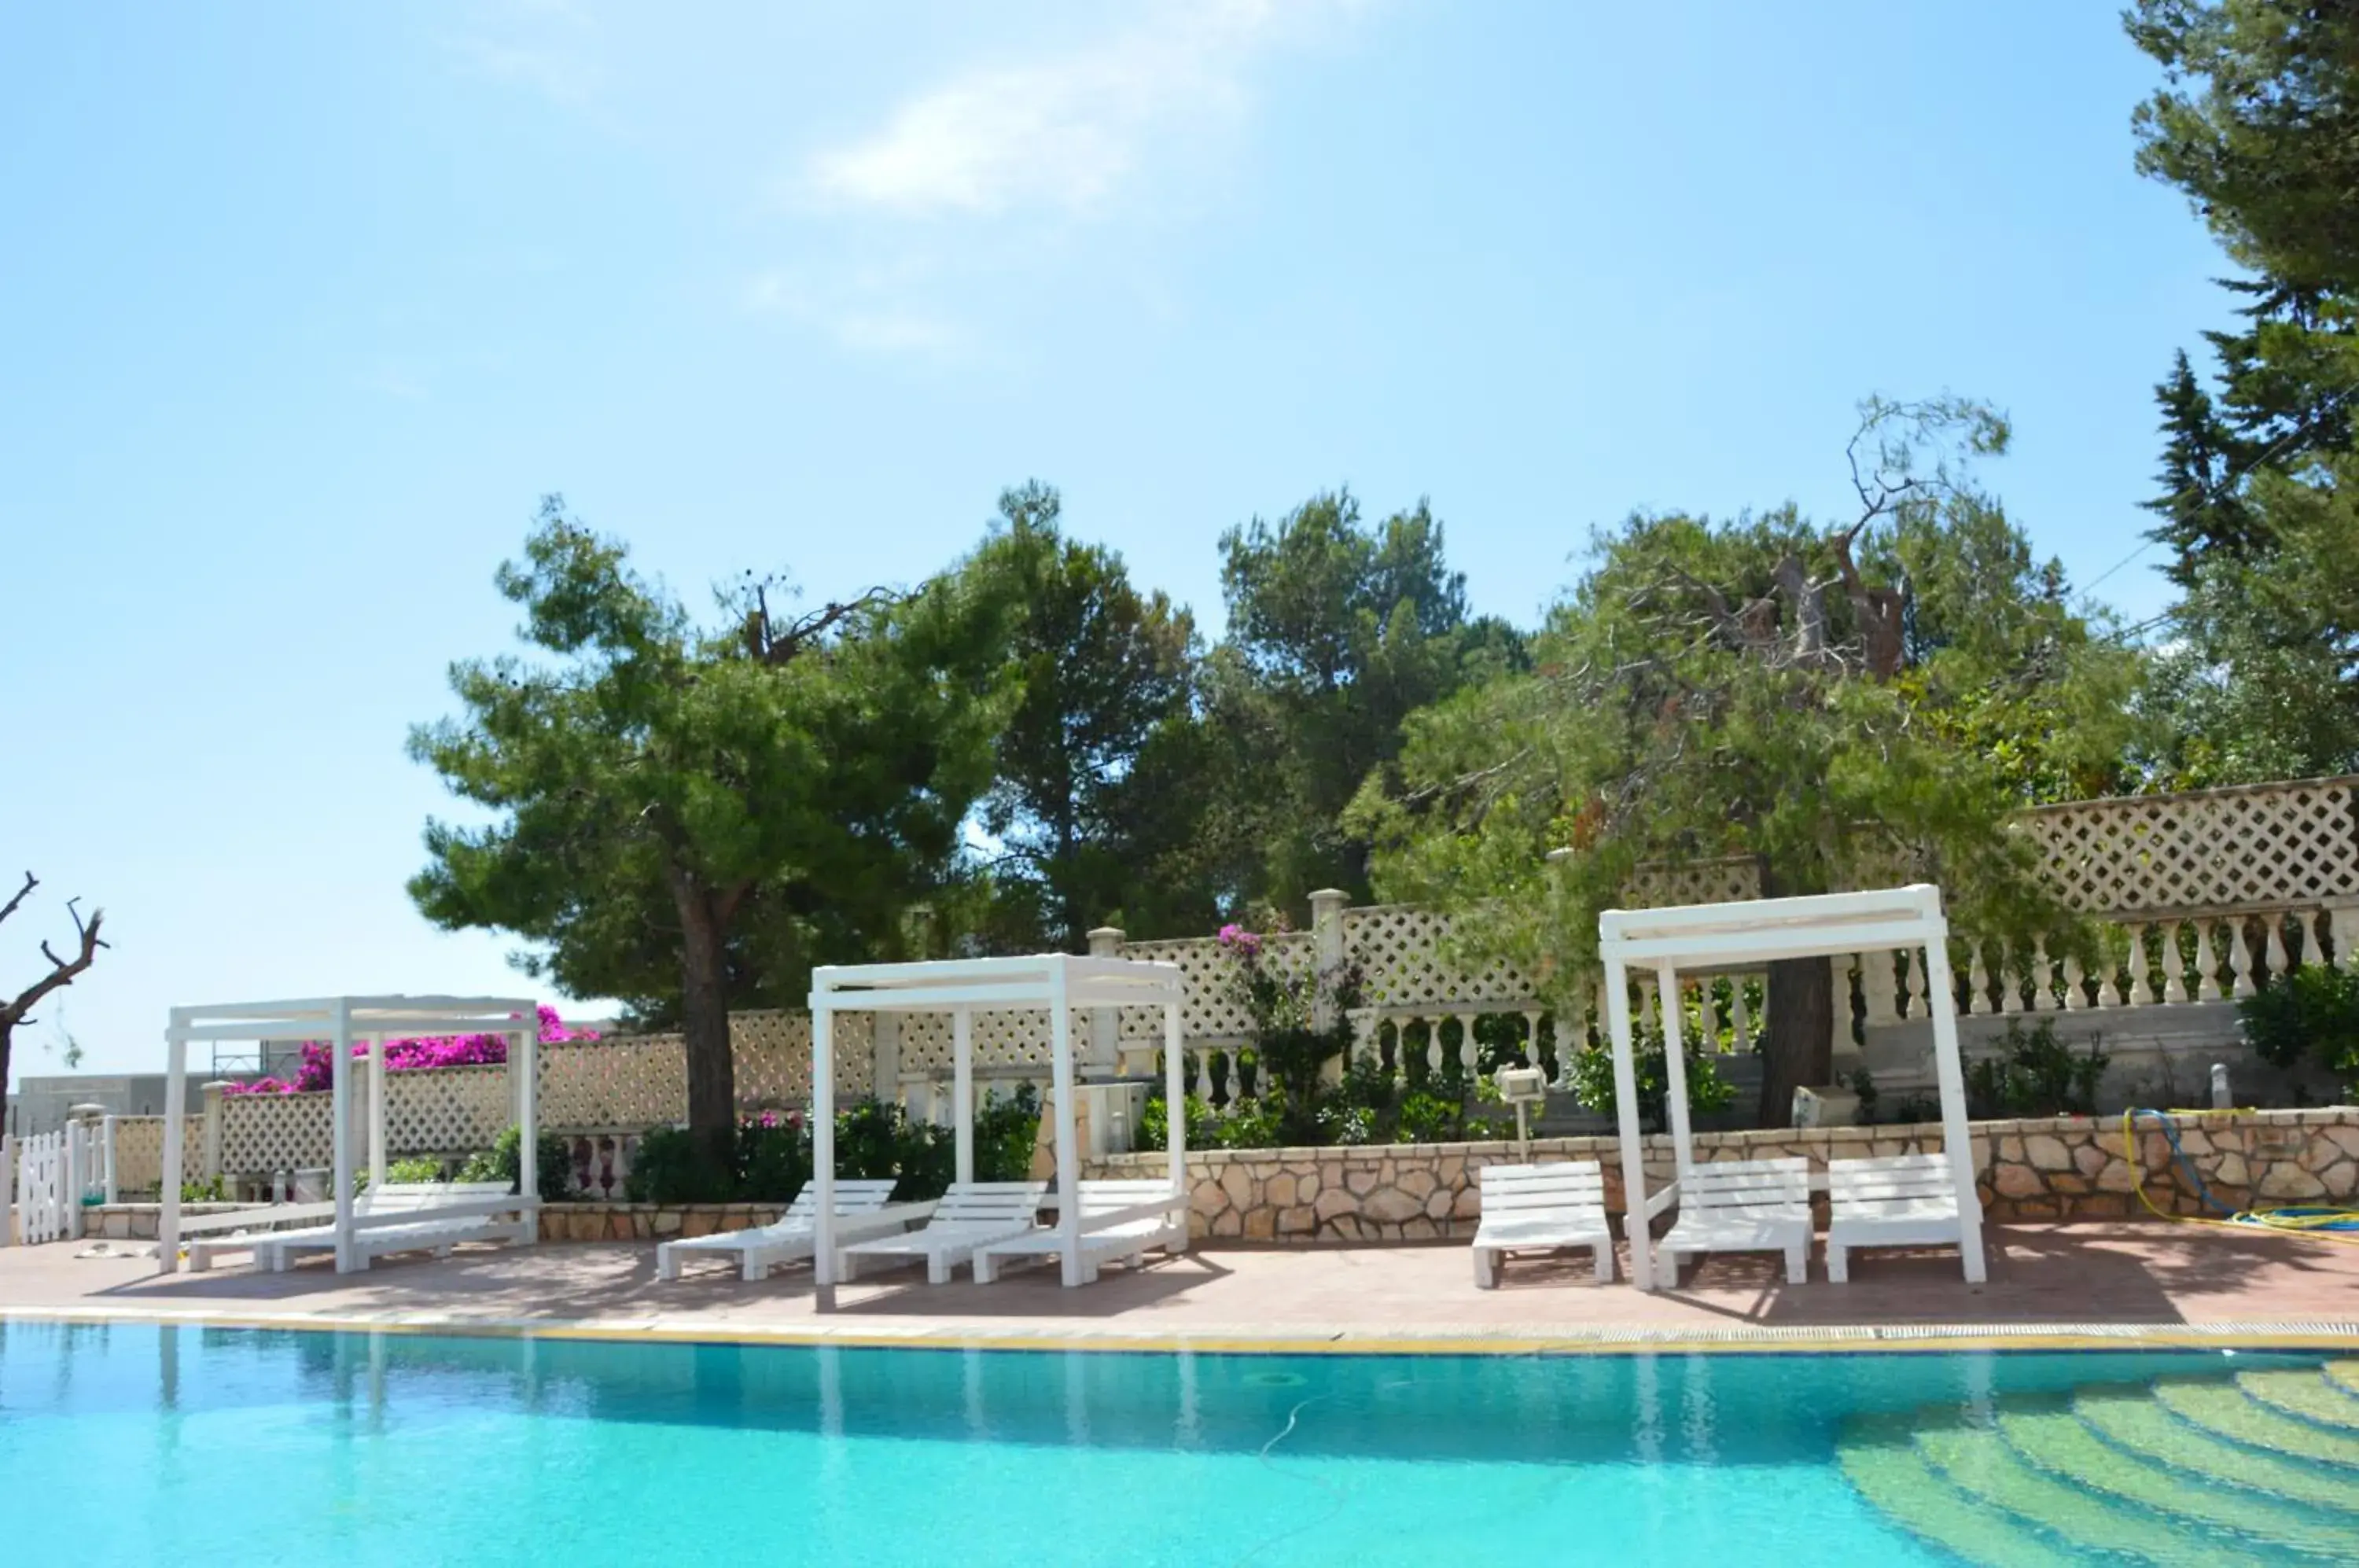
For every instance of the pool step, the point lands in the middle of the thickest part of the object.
(2230, 1410)
(1980, 1463)
(2131, 1421)
(2190, 1470)
(2054, 1439)
(2308, 1395)
(1879, 1456)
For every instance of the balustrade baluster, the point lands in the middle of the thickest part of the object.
(2043, 980)
(2207, 964)
(2274, 947)
(1469, 1053)
(1914, 992)
(1646, 1014)
(2240, 961)
(1740, 1016)
(1978, 988)
(1532, 1046)
(1877, 989)
(2174, 967)
(1433, 1051)
(2076, 980)
(2137, 984)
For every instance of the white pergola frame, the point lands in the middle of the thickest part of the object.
(1056, 981)
(343, 1021)
(1742, 937)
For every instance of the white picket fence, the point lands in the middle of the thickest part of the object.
(48, 1174)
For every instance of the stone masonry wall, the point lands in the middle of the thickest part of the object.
(2067, 1168)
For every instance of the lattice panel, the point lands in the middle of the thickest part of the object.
(2260, 846)
(1014, 1038)
(772, 1054)
(1721, 881)
(264, 1133)
(628, 1082)
(139, 1152)
(1403, 955)
(446, 1110)
(1210, 1010)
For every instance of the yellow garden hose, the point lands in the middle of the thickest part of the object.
(2325, 1224)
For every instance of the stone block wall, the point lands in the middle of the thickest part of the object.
(2065, 1168)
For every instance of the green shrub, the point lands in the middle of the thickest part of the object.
(1252, 1124)
(2035, 1075)
(2310, 1014)
(1154, 1124)
(1593, 1081)
(668, 1167)
(503, 1161)
(212, 1190)
(1429, 1118)
(1006, 1133)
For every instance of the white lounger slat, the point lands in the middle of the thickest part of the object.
(1743, 1205)
(970, 1214)
(381, 1214)
(1905, 1200)
(1542, 1208)
(1163, 1225)
(860, 1211)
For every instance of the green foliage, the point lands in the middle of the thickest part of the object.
(2309, 1015)
(213, 1188)
(1593, 1081)
(1153, 1131)
(1429, 1118)
(773, 1158)
(2034, 1074)
(1863, 1086)
(1850, 705)
(417, 1170)
(1006, 1133)
(1106, 673)
(1338, 631)
(503, 1161)
(687, 819)
(2258, 123)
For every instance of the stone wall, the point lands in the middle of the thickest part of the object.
(649, 1222)
(2065, 1168)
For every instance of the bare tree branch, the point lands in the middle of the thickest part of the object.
(62, 971)
(31, 882)
(776, 645)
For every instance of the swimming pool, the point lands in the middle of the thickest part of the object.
(199, 1445)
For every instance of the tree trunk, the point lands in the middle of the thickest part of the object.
(7, 1038)
(704, 1026)
(1796, 1043)
(1797, 1049)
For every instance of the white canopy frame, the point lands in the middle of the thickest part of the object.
(1056, 982)
(341, 1022)
(1708, 937)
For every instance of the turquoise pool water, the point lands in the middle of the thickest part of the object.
(195, 1446)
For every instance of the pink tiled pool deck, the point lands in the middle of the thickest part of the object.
(2066, 1283)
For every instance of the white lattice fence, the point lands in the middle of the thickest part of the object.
(276, 1132)
(1211, 1011)
(630, 1082)
(139, 1152)
(2207, 850)
(446, 1110)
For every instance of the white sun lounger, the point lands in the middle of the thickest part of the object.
(860, 1211)
(1742, 1205)
(276, 1249)
(1542, 1208)
(1119, 1219)
(1904, 1200)
(970, 1214)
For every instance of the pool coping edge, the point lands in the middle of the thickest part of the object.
(1598, 1339)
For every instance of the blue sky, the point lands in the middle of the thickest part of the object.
(302, 308)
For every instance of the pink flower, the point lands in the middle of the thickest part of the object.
(1242, 942)
(403, 1055)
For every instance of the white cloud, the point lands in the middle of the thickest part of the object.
(867, 313)
(1065, 132)
(543, 46)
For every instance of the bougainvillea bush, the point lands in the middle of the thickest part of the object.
(406, 1055)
